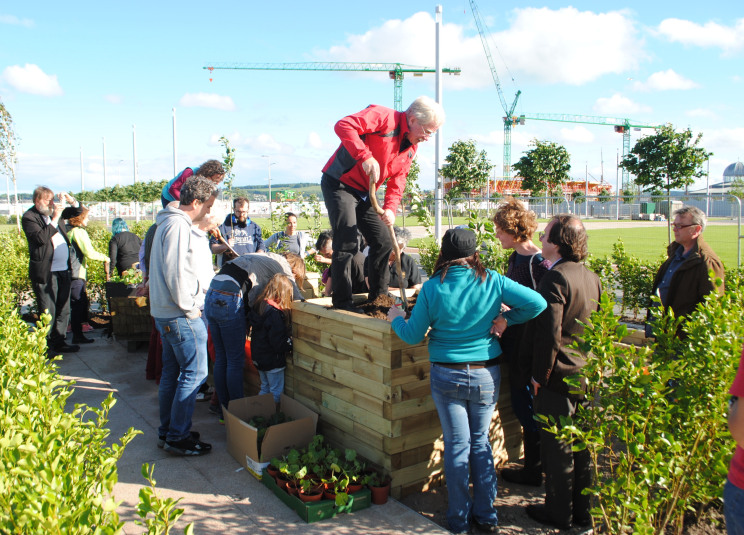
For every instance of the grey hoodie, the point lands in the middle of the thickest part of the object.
(174, 281)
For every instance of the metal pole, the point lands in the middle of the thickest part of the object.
(438, 186)
(134, 152)
(707, 190)
(82, 173)
(617, 187)
(175, 164)
(103, 139)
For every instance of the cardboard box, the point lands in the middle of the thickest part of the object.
(242, 439)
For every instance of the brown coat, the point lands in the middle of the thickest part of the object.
(690, 283)
(572, 293)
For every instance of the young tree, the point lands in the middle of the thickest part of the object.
(603, 196)
(228, 162)
(466, 168)
(666, 160)
(544, 167)
(7, 142)
(412, 191)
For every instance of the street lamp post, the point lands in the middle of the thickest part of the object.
(271, 207)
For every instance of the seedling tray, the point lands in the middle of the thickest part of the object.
(315, 511)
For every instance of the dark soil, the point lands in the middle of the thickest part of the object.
(100, 321)
(512, 500)
(380, 306)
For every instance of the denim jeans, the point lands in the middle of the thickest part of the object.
(733, 508)
(184, 370)
(225, 312)
(465, 401)
(272, 382)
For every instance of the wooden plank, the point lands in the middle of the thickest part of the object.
(342, 439)
(322, 354)
(398, 444)
(368, 370)
(372, 388)
(319, 308)
(411, 407)
(431, 451)
(408, 374)
(355, 414)
(415, 389)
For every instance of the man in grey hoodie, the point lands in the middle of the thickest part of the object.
(173, 287)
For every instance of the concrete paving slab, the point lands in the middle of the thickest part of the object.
(217, 494)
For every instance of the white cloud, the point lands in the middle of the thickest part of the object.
(729, 39)
(113, 99)
(207, 100)
(667, 80)
(727, 143)
(619, 105)
(15, 21)
(702, 113)
(31, 79)
(578, 134)
(314, 141)
(553, 46)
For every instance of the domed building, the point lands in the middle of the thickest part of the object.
(735, 170)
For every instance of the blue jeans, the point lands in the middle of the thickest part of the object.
(184, 370)
(225, 311)
(272, 382)
(733, 508)
(465, 401)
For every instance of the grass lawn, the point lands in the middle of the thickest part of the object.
(649, 243)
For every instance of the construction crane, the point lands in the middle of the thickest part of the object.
(622, 126)
(395, 70)
(508, 110)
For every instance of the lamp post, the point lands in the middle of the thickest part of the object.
(271, 207)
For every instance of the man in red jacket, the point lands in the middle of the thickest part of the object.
(377, 144)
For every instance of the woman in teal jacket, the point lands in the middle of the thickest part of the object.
(459, 304)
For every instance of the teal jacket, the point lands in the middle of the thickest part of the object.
(460, 310)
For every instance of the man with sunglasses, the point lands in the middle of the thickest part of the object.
(377, 144)
(683, 281)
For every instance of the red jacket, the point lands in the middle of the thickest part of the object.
(375, 131)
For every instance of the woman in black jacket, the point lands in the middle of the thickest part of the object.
(124, 246)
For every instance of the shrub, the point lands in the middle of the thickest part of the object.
(14, 272)
(656, 428)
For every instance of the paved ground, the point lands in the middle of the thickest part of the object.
(218, 495)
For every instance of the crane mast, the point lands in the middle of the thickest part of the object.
(509, 119)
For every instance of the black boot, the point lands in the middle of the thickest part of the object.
(531, 473)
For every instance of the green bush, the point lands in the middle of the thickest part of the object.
(57, 472)
(656, 427)
(14, 267)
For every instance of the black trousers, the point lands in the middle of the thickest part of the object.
(567, 473)
(79, 306)
(54, 297)
(348, 214)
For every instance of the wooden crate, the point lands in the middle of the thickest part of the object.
(372, 393)
(130, 317)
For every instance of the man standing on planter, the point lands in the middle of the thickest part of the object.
(572, 293)
(174, 284)
(377, 144)
(49, 266)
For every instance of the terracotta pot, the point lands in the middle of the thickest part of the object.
(312, 496)
(380, 494)
(329, 495)
(281, 481)
(293, 488)
(353, 487)
(272, 471)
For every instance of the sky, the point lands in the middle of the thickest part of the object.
(81, 78)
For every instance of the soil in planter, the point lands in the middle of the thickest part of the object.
(100, 321)
(380, 306)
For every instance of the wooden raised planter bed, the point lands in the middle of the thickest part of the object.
(372, 393)
(130, 314)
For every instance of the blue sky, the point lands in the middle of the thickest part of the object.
(74, 73)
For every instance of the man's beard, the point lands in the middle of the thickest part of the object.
(46, 211)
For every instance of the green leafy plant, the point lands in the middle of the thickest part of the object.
(159, 515)
(655, 427)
